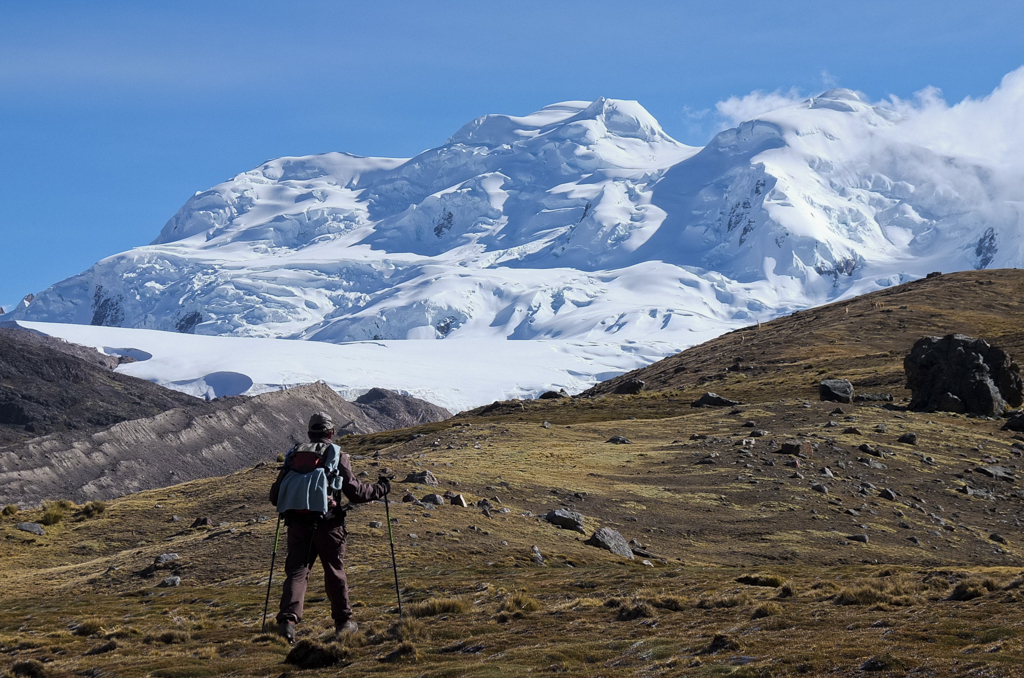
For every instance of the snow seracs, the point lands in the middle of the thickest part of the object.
(583, 220)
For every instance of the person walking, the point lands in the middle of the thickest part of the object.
(308, 493)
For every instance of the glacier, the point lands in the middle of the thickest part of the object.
(582, 223)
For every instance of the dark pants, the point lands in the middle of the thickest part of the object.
(307, 540)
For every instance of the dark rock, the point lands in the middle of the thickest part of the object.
(1015, 423)
(566, 519)
(630, 387)
(862, 538)
(957, 373)
(908, 439)
(459, 500)
(796, 447)
(852, 430)
(836, 390)
(610, 540)
(619, 440)
(997, 472)
(868, 449)
(33, 528)
(996, 537)
(408, 497)
(818, 487)
(873, 398)
(713, 400)
(838, 410)
(202, 522)
(553, 395)
(422, 477)
(886, 493)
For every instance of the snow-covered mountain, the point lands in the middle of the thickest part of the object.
(583, 221)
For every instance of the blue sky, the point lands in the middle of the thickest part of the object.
(113, 113)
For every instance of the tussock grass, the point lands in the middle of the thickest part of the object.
(724, 600)
(309, 655)
(30, 668)
(768, 609)
(89, 627)
(900, 590)
(973, 587)
(93, 508)
(9, 510)
(433, 607)
(768, 580)
(519, 602)
(405, 651)
(635, 609)
(53, 512)
(168, 638)
(402, 630)
(787, 590)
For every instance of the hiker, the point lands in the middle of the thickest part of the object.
(308, 494)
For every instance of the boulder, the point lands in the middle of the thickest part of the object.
(796, 447)
(422, 477)
(566, 519)
(202, 522)
(553, 395)
(459, 500)
(610, 540)
(165, 558)
(619, 440)
(957, 373)
(630, 387)
(908, 439)
(408, 498)
(836, 390)
(32, 528)
(435, 499)
(1015, 423)
(169, 582)
(713, 400)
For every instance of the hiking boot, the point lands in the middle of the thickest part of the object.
(346, 629)
(286, 630)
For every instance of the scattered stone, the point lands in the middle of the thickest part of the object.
(862, 538)
(422, 477)
(881, 428)
(793, 463)
(873, 398)
(867, 449)
(836, 390)
(818, 487)
(759, 433)
(852, 430)
(413, 536)
(796, 447)
(32, 528)
(997, 472)
(202, 522)
(553, 395)
(610, 540)
(838, 410)
(886, 493)
(619, 440)
(797, 475)
(435, 499)
(998, 538)
(908, 439)
(546, 424)
(537, 557)
(957, 373)
(914, 540)
(831, 424)
(459, 500)
(713, 400)
(376, 524)
(170, 582)
(165, 558)
(566, 519)
(750, 424)
(408, 498)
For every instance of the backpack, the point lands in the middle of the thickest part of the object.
(306, 467)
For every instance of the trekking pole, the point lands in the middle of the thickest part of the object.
(394, 563)
(273, 557)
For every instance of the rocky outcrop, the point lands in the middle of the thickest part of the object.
(610, 540)
(957, 373)
(836, 390)
(713, 400)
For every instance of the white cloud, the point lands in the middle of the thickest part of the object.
(735, 110)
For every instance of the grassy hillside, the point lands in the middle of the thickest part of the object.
(751, 570)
